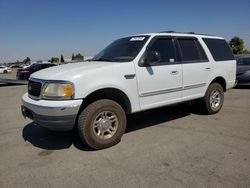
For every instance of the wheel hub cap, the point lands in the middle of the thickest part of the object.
(215, 99)
(105, 125)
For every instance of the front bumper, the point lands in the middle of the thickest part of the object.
(54, 115)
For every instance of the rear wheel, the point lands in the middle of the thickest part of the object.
(213, 99)
(5, 71)
(102, 124)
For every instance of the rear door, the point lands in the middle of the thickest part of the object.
(195, 65)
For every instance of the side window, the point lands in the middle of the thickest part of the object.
(243, 61)
(191, 50)
(165, 47)
(203, 55)
(45, 66)
(219, 49)
(36, 67)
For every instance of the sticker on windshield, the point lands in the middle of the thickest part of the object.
(137, 39)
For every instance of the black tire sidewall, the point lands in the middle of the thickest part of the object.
(213, 87)
(90, 113)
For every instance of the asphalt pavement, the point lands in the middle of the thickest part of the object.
(167, 147)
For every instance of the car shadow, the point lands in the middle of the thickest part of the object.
(5, 85)
(50, 140)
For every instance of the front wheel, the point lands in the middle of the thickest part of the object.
(213, 99)
(5, 71)
(102, 124)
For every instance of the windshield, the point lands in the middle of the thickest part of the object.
(122, 50)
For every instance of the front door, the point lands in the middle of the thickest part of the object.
(160, 83)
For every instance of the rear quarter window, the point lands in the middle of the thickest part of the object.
(219, 49)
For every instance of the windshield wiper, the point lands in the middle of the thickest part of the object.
(102, 59)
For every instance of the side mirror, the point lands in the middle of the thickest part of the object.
(152, 57)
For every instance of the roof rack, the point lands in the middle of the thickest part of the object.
(171, 31)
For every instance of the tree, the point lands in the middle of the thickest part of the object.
(73, 57)
(79, 57)
(62, 59)
(26, 60)
(237, 45)
(54, 60)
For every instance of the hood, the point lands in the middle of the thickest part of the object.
(71, 70)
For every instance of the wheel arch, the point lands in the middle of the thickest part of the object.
(220, 80)
(108, 93)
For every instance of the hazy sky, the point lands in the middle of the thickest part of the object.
(41, 29)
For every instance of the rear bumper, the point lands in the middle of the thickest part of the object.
(53, 115)
(236, 82)
(231, 84)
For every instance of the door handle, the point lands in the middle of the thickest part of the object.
(208, 68)
(174, 72)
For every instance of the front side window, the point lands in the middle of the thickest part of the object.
(165, 49)
(122, 50)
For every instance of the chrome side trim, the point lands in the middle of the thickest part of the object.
(194, 86)
(151, 93)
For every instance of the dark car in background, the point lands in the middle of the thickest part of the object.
(243, 70)
(24, 73)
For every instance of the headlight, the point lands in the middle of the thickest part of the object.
(58, 91)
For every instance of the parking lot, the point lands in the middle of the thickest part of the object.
(11, 75)
(167, 147)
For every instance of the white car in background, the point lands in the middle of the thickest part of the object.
(5, 70)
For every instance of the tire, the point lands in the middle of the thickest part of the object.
(5, 71)
(213, 100)
(102, 124)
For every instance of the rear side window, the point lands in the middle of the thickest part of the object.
(46, 66)
(33, 67)
(164, 46)
(191, 50)
(219, 49)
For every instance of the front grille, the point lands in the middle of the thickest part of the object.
(34, 88)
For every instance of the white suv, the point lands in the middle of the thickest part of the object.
(132, 74)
